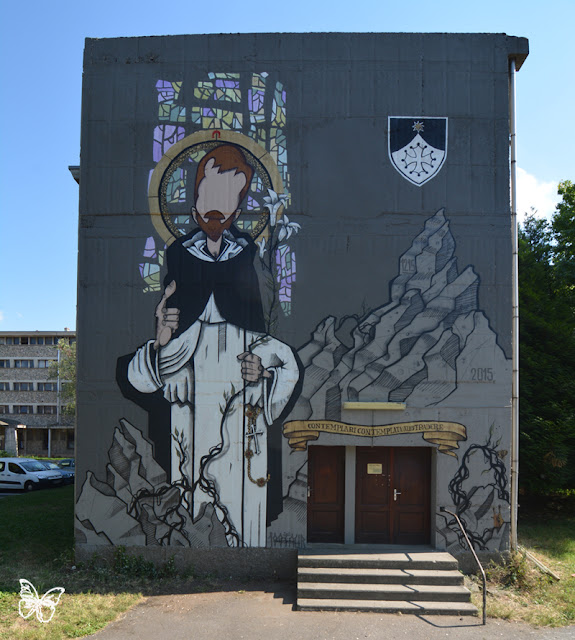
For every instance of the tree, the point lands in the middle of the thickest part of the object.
(547, 348)
(64, 370)
(563, 226)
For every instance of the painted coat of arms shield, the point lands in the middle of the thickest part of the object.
(417, 146)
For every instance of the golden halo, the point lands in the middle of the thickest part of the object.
(177, 154)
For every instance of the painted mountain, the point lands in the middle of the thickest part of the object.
(137, 506)
(430, 344)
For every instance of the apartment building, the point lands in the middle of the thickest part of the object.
(32, 417)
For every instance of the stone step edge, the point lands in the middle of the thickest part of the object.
(415, 607)
(408, 558)
(395, 592)
(356, 563)
(329, 575)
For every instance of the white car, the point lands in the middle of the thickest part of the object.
(27, 474)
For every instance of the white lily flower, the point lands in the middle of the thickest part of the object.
(262, 246)
(287, 228)
(273, 202)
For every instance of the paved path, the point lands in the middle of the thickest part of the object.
(269, 615)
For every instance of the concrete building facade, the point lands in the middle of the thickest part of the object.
(32, 420)
(295, 292)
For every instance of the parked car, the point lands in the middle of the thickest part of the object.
(67, 463)
(67, 473)
(27, 474)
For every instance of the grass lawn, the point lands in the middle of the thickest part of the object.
(36, 543)
(520, 591)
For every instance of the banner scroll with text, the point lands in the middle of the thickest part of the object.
(446, 435)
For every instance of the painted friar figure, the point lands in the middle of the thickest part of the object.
(212, 372)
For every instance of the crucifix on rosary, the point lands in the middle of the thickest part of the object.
(253, 435)
(252, 412)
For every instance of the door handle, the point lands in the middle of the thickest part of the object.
(395, 494)
(308, 491)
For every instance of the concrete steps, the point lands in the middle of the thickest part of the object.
(416, 582)
(382, 606)
(380, 576)
(426, 560)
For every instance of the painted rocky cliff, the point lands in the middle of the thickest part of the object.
(136, 505)
(422, 347)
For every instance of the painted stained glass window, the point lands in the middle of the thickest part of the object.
(253, 104)
(150, 268)
(285, 261)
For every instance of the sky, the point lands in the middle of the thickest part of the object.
(41, 49)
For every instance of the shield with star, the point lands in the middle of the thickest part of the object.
(417, 146)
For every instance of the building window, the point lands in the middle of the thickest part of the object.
(12, 340)
(36, 340)
(4, 364)
(70, 439)
(24, 364)
(4, 386)
(23, 386)
(23, 408)
(47, 386)
(4, 408)
(46, 409)
(44, 364)
(24, 340)
(50, 340)
(45, 434)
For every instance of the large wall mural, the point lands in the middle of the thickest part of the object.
(282, 311)
(430, 343)
(212, 379)
(212, 359)
(430, 347)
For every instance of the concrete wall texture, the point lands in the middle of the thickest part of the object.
(295, 278)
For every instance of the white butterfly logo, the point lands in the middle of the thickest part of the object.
(43, 607)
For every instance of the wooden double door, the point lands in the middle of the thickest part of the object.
(392, 495)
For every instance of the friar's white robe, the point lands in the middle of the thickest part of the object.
(200, 375)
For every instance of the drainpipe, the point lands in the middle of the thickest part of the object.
(515, 326)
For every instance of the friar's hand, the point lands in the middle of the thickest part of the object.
(252, 369)
(167, 318)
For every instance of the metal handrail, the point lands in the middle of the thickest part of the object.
(444, 510)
